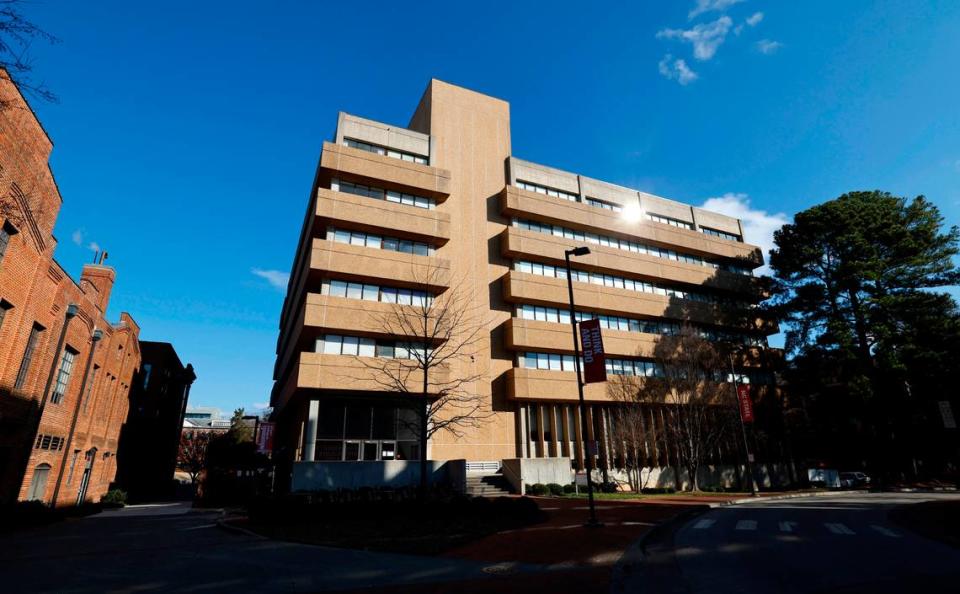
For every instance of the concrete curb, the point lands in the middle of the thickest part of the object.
(786, 496)
(224, 524)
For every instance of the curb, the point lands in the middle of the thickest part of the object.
(224, 524)
(787, 496)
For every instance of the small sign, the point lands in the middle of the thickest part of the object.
(946, 413)
(594, 360)
(746, 403)
(750, 458)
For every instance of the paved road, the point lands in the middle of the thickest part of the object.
(824, 544)
(171, 549)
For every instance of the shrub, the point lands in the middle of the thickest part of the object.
(608, 487)
(657, 490)
(114, 498)
(555, 489)
(538, 489)
(571, 488)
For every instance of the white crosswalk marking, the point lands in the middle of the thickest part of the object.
(747, 525)
(787, 526)
(838, 528)
(703, 524)
(885, 531)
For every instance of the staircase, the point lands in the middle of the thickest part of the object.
(488, 485)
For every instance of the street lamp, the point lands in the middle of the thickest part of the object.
(743, 428)
(588, 457)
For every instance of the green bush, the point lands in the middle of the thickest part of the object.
(555, 489)
(114, 498)
(571, 488)
(608, 487)
(657, 490)
(538, 489)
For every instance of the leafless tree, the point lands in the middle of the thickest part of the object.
(697, 403)
(437, 340)
(192, 455)
(16, 35)
(629, 430)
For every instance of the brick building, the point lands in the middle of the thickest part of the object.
(65, 371)
(150, 438)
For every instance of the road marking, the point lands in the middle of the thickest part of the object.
(885, 531)
(838, 528)
(747, 525)
(703, 524)
(200, 527)
(787, 526)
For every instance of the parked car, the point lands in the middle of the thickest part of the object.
(853, 480)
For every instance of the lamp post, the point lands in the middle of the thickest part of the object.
(95, 338)
(743, 429)
(587, 455)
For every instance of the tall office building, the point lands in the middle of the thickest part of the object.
(402, 214)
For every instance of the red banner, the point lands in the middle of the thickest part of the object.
(746, 403)
(265, 438)
(594, 361)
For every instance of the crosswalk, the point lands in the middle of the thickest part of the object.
(792, 527)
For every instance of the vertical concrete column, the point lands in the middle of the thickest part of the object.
(310, 437)
(578, 437)
(524, 437)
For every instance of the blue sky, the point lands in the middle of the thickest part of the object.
(187, 133)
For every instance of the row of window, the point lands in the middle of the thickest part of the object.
(50, 442)
(335, 344)
(339, 185)
(633, 367)
(380, 242)
(623, 244)
(382, 150)
(619, 282)
(552, 314)
(603, 204)
(669, 221)
(368, 292)
(720, 234)
(554, 362)
(547, 191)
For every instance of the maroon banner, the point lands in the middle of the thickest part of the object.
(265, 438)
(594, 361)
(746, 403)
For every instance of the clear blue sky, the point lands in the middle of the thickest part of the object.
(188, 132)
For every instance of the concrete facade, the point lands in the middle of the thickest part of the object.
(62, 400)
(683, 264)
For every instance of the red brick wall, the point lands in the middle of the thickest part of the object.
(39, 291)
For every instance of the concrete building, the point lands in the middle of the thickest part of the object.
(444, 199)
(65, 370)
(150, 438)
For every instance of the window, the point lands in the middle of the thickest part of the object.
(6, 232)
(63, 375)
(365, 292)
(394, 196)
(669, 221)
(380, 150)
(147, 368)
(89, 391)
(4, 306)
(73, 465)
(334, 344)
(604, 204)
(32, 343)
(548, 191)
(378, 242)
(720, 234)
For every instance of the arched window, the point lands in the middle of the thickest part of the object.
(38, 486)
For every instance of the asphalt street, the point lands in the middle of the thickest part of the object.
(169, 548)
(844, 544)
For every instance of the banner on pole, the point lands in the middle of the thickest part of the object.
(265, 438)
(746, 404)
(594, 361)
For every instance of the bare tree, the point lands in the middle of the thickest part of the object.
(437, 340)
(628, 429)
(192, 455)
(16, 35)
(698, 404)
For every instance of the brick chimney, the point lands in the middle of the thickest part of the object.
(97, 282)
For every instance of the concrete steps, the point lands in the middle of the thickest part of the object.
(488, 485)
